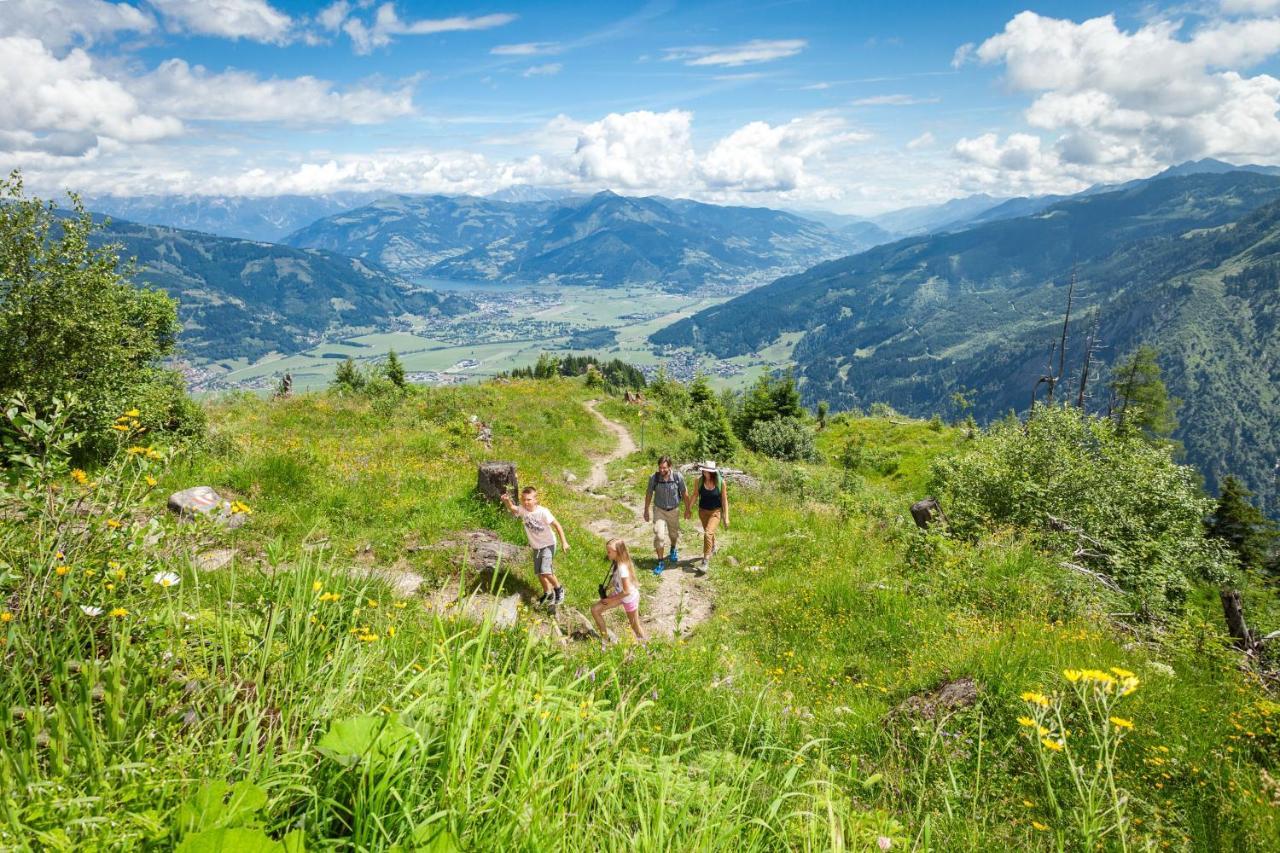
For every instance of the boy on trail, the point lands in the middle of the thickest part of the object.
(538, 526)
(666, 492)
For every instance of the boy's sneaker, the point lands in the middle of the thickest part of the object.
(558, 596)
(702, 567)
(674, 556)
(657, 570)
(547, 599)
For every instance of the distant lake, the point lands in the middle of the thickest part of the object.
(473, 286)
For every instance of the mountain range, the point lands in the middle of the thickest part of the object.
(1187, 263)
(244, 299)
(603, 239)
(267, 218)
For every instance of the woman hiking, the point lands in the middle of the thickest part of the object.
(621, 588)
(713, 509)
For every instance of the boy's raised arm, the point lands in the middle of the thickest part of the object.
(506, 500)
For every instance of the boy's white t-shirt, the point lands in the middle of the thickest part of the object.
(537, 526)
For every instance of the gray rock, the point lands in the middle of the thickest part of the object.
(204, 501)
(733, 561)
(211, 561)
(483, 550)
(570, 477)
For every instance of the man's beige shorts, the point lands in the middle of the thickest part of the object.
(666, 529)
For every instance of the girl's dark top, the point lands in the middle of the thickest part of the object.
(709, 498)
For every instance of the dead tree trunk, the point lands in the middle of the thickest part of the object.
(494, 478)
(1233, 609)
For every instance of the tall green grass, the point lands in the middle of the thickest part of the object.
(284, 698)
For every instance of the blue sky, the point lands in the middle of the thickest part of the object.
(854, 107)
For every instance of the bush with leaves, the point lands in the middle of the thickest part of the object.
(1106, 498)
(788, 439)
(71, 320)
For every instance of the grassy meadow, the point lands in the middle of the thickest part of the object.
(286, 702)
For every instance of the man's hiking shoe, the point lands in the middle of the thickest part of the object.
(558, 597)
(674, 556)
(657, 570)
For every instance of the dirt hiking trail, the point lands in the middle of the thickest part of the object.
(682, 600)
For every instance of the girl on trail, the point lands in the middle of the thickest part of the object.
(713, 509)
(620, 589)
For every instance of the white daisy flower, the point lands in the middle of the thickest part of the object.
(89, 610)
(166, 579)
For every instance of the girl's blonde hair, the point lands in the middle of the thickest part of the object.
(624, 556)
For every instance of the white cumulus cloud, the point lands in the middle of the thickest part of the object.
(255, 20)
(635, 150)
(193, 92)
(59, 105)
(59, 23)
(1117, 104)
(747, 53)
(762, 157)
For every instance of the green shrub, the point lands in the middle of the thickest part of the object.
(1106, 498)
(789, 439)
(72, 322)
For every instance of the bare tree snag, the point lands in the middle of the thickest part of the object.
(494, 478)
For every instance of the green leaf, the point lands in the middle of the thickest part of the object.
(210, 806)
(350, 740)
(232, 840)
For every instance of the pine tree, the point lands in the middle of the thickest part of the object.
(1143, 402)
(700, 392)
(347, 377)
(713, 436)
(823, 408)
(1242, 525)
(393, 369)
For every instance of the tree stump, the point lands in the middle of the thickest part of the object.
(923, 512)
(1233, 610)
(494, 478)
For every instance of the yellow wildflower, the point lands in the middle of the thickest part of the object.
(61, 570)
(1036, 698)
(6, 616)
(137, 451)
(330, 596)
(316, 586)
(132, 413)
(1026, 721)
(119, 612)
(120, 427)
(1040, 826)
(391, 630)
(1122, 673)
(79, 476)
(113, 523)
(1072, 675)
(151, 481)
(1055, 745)
(371, 602)
(1121, 722)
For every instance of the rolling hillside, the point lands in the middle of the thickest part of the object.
(1183, 263)
(266, 218)
(240, 298)
(602, 239)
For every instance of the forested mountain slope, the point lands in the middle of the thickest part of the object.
(1185, 264)
(602, 239)
(240, 298)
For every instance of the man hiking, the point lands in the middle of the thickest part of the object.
(665, 493)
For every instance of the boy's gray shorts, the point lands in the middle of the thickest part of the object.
(542, 559)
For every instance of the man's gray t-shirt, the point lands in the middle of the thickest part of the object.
(667, 494)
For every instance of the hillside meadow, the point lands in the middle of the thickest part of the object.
(862, 685)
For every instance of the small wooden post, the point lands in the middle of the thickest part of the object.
(493, 478)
